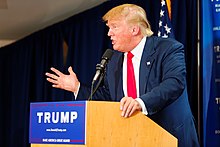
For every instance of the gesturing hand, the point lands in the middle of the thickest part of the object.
(59, 80)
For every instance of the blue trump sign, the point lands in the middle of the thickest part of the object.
(211, 72)
(57, 122)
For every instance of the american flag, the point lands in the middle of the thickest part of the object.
(165, 28)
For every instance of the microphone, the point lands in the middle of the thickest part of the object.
(101, 67)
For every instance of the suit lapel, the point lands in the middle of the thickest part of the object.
(146, 63)
(118, 80)
(115, 74)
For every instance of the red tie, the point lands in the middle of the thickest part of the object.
(131, 84)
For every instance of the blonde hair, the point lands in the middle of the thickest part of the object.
(133, 14)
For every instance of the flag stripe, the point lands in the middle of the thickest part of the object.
(169, 8)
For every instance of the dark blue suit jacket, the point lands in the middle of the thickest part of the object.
(162, 87)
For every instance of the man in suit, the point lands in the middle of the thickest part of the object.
(159, 77)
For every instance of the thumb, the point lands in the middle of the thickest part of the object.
(70, 70)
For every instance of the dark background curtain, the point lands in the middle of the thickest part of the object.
(79, 42)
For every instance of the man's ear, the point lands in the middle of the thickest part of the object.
(135, 30)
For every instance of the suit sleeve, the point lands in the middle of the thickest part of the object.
(102, 93)
(167, 77)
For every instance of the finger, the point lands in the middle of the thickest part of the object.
(122, 102)
(52, 81)
(51, 76)
(128, 110)
(56, 71)
(132, 111)
(56, 86)
(125, 109)
(136, 107)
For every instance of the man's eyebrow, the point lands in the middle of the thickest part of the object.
(111, 24)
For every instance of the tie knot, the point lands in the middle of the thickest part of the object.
(130, 55)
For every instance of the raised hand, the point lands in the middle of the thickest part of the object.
(59, 80)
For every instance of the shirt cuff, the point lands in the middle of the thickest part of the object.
(76, 93)
(144, 109)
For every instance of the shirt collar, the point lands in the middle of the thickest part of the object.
(137, 51)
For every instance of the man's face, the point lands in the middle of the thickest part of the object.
(120, 34)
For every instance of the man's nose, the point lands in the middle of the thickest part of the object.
(109, 32)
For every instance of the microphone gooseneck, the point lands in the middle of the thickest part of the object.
(100, 71)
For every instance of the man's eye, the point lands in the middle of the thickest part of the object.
(114, 27)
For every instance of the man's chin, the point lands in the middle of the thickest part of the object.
(116, 48)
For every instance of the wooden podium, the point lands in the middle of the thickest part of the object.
(106, 128)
